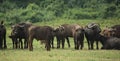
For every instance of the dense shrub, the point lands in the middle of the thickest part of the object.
(14, 11)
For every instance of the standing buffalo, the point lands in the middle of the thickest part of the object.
(14, 39)
(110, 43)
(43, 33)
(59, 33)
(65, 31)
(79, 38)
(19, 32)
(92, 31)
(2, 36)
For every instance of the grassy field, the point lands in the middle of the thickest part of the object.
(67, 54)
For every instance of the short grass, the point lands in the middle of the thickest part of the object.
(66, 54)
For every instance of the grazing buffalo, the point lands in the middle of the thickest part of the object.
(110, 43)
(19, 32)
(65, 31)
(2, 36)
(91, 32)
(43, 33)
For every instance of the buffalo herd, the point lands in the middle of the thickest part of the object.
(109, 37)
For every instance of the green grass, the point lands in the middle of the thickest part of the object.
(68, 54)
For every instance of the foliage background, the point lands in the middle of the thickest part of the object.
(14, 11)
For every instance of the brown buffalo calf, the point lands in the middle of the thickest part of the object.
(43, 33)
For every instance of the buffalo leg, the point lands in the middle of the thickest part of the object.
(25, 44)
(16, 44)
(78, 44)
(88, 44)
(52, 42)
(97, 45)
(68, 41)
(63, 42)
(5, 46)
(92, 42)
(48, 45)
(1, 43)
(81, 45)
(30, 43)
(75, 43)
(58, 43)
(13, 43)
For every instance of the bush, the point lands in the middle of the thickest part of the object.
(80, 14)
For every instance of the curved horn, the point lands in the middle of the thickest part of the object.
(90, 25)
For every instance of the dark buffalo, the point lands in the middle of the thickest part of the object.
(110, 43)
(92, 31)
(59, 33)
(79, 38)
(14, 40)
(2, 36)
(65, 31)
(19, 32)
(43, 33)
(115, 31)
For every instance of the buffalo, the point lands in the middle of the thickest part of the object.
(14, 39)
(79, 38)
(92, 31)
(43, 33)
(2, 35)
(59, 33)
(110, 43)
(19, 32)
(113, 31)
(106, 32)
(65, 31)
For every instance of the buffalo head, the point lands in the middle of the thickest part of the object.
(17, 30)
(95, 27)
(59, 30)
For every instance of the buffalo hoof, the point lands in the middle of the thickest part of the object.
(48, 49)
(58, 47)
(30, 49)
(53, 47)
(5, 47)
(1, 48)
(62, 47)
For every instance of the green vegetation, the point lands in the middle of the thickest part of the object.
(14, 11)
